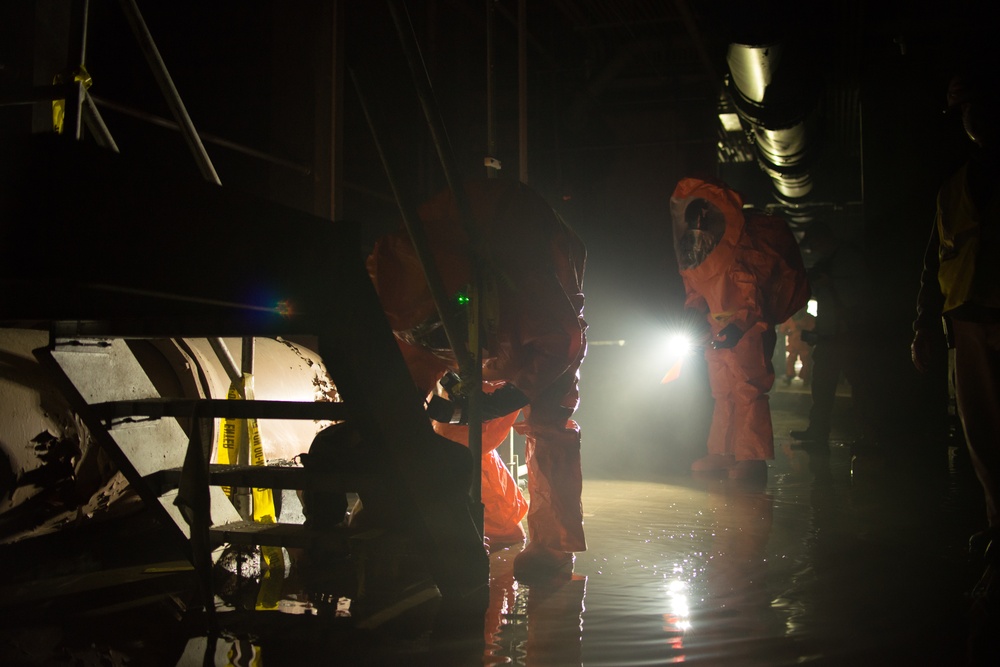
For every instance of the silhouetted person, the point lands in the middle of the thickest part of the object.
(961, 283)
(840, 284)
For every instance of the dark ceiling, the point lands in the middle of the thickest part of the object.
(622, 99)
(607, 82)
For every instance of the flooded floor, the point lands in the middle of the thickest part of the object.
(844, 557)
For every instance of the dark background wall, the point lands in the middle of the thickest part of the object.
(612, 127)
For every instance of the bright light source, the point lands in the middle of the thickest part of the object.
(678, 342)
(812, 307)
(679, 345)
(730, 122)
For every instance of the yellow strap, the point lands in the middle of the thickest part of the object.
(263, 499)
(59, 106)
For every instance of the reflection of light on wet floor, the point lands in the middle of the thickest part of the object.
(807, 569)
(844, 558)
(630, 601)
(649, 546)
(816, 567)
(680, 612)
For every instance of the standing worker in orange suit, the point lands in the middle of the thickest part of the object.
(797, 349)
(744, 274)
(533, 338)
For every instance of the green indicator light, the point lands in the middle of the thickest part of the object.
(462, 299)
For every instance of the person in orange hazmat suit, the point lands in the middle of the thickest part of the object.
(533, 338)
(744, 273)
(796, 349)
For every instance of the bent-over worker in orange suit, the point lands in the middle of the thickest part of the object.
(533, 337)
(744, 273)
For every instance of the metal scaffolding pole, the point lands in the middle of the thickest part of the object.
(170, 94)
(469, 357)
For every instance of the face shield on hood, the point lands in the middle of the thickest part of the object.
(704, 227)
(704, 215)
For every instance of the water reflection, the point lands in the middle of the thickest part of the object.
(212, 651)
(681, 571)
(675, 571)
(735, 612)
(537, 625)
(830, 563)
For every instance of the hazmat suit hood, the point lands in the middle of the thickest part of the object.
(399, 279)
(707, 219)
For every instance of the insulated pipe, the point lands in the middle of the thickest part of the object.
(766, 86)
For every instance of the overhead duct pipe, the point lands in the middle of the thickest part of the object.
(774, 97)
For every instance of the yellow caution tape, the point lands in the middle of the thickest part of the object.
(228, 450)
(273, 557)
(271, 583)
(263, 499)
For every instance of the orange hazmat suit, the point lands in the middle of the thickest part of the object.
(745, 273)
(795, 348)
(533, 337)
